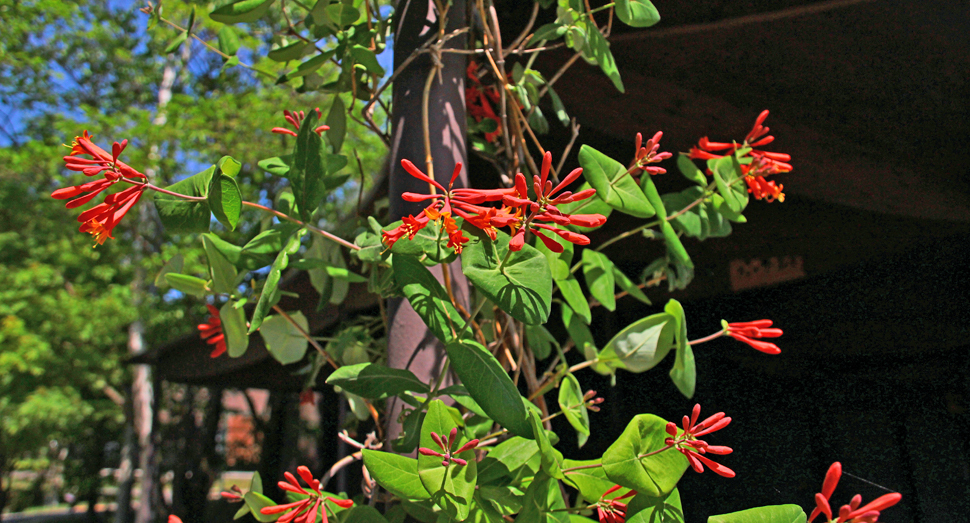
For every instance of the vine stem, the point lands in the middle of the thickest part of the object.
(328, 235)
(306, 335)
(714, 336)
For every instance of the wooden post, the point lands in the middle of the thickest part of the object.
(410, 344)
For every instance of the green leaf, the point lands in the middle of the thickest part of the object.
(574, 296)
(522, 286)
(398, 474)
(625, 283)
(552, 31)
(573, 407)
(225, 200)
(543, 502)
(769, 514)
(489, 384)
(598, 271)
(308, 66)
(509, 457)
(256, 501)
(430, 243)
(684, 372)
(411, 431)
(188, 284)
(559, 263)
(278, 165)
(340, 273)
(223, 272)
(374, 381)
(644, 508)
(642, 344)
(256, 485)
(342, 14)
(368, 59)
(690, 170)
(227, 40)
(451, 487)
(558, 107)
(637, 13)
(234, 327)
(180, 215)
(283, 340)
(172, 266)
(591, 482)
(549, 458)
(654, 475)
(427, 297)
(578, 331)
(506, 500)
(612, 183)
(674, 246)
(600, 49)
(177, 42)
(289, 52)
(361, 514)
(267, 297)
(241, 11)
(307, 168)
(540, 341)
(337, 121)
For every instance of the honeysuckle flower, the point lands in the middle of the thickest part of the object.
(172, 518)
(212, 332)
(851, 512)
(479, 99)
(101, 219)
(613, 510)
(233, 495)
(544, 209)
(446, 446)
(442, 206)
(295, 118)
(648, 153)
(592, 401)
(694, 449)
(763, 163)
(294, 512)
(745, 331)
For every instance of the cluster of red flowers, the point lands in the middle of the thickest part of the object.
(295, 118)
(763, 163)
(647, 153)
(694, 449)
(518, 211)
(479, 99)
(311, 504)
(851, 513)
(212, 332)
(745, 331)
(613, 510)
(101, 219)
(446, 446)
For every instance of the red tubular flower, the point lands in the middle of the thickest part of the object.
(694, 449)
(442, 206)
(648, 153)
(172, 518)
(544, 209)
(212, 332)
(233, 495)
(295, 118)
(446, 446)
(101, 219)
(613, 510)
(745, 331)
(852, 512)
(304, 510)
(763, 163)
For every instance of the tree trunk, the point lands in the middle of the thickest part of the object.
(126, 469)
(410, 344)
